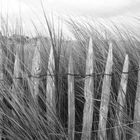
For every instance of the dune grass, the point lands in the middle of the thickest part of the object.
(24, 117)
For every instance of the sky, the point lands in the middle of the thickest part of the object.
(30, 10)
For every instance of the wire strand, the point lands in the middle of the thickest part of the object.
(70, 74)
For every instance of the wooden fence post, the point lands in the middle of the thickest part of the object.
(89, 95)
(17, 68)
(50, 90)
(71, 102)
(36, 69)
(121, 98)
(105, 96)
(136, 125)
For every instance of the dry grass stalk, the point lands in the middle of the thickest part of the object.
(89, 94)
(71, 102)
(122, 98)
(105, 96)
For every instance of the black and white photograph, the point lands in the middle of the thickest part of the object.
(69, 69)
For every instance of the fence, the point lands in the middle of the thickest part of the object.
(88, 110)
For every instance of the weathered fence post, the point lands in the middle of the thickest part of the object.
(50, 90)
(121, 98)
(105, 96)
(17, 68)
(71, 102)
(89, 95)
(136, 125)
(36, 70)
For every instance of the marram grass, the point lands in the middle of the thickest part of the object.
(24, 116)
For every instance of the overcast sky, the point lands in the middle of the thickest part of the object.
(31, 9)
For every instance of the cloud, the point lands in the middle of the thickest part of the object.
(31, 9)
(95, 8)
